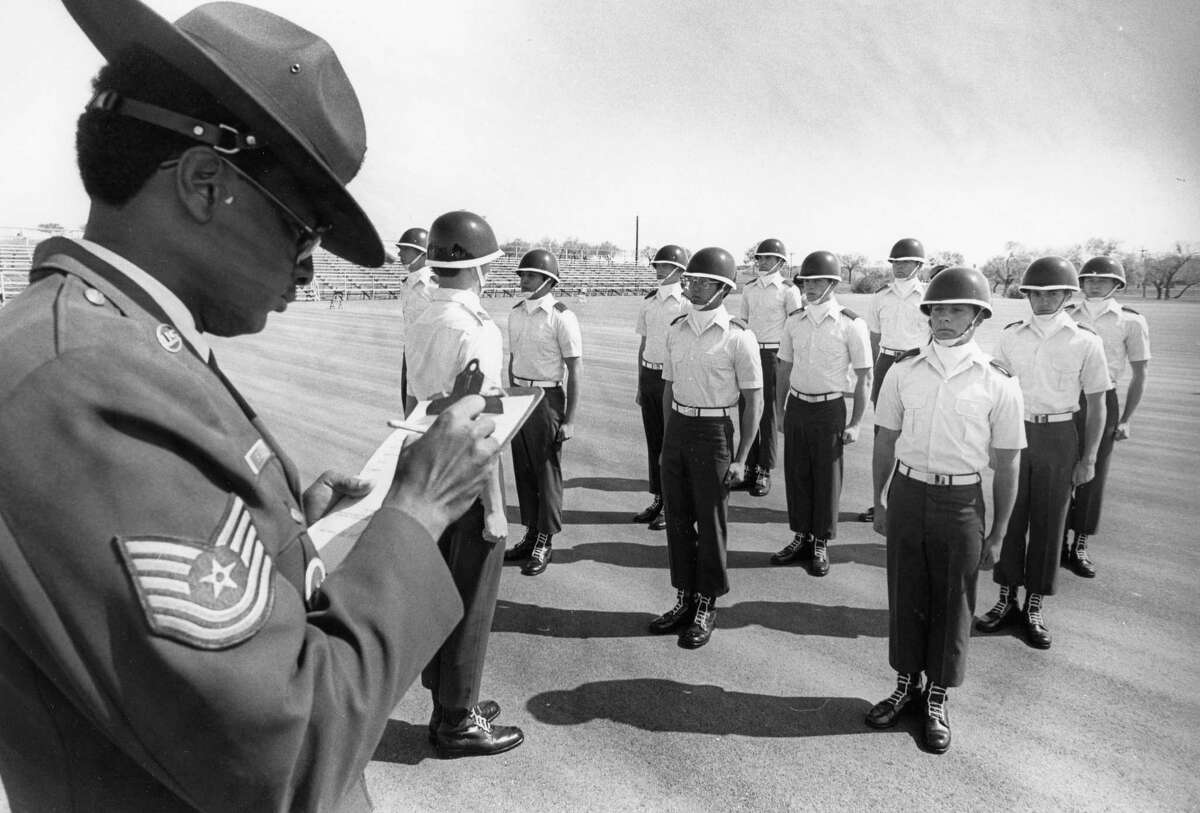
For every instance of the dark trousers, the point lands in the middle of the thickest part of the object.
(882, 365)
(1030, 553)
(650, 395)
(455, 673)
(537, 467)
(1084, 515)
(762, 450)
(696, 455)
(934, 540)
(812, 464)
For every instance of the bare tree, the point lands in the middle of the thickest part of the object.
(1172, 269)
(852, 262)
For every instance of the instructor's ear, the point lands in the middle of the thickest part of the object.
(200, 183)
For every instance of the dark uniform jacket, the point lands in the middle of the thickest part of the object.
(163, 641)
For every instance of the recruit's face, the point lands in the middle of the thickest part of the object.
(1097, 287)
(531, 281)
(816, 291)
(903, 269)
(765, 265)
(664, 270)
(408, 254)
(950, 321)
(702, 292)
(1047, 303)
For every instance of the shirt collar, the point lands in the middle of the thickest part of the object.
(172, 305)
(672, 291)
(818, 313)
(544, 303)
(1110, 306)
(720, 319)
(766, 280)
(460, 295)
(975, 355)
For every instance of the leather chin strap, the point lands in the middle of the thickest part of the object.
(221, 137)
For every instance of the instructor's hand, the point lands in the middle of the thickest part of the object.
(440, 474)
(330, 487)
(566, 431)
(1084, 471)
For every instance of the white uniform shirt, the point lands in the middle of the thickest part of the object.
(1054, 368)
(658, 310)
(541, 334)
(948, 419)
(1123, 331)
(766, 302)
(415, 293)
(710, 368)
(825, 353)
(453, 330)
(897, 318)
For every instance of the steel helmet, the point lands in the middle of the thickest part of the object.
(819, 265)
(713, 263)
(958, 285)
(416, 237)
(1049, 274)
(671, 255)
(937, 269)
(461, 239)
(909, 248)
(771, 248)
(541, 261)
(1103, 268)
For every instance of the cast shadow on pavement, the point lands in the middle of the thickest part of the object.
(794, 617)
(404, 744)
(654, 704)
(609, 484)
(654, 556)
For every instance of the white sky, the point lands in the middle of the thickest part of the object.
(831, 125)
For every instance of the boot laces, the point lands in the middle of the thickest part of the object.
(478, 719)
(820, 554)
(1035, 609)
(794, 545)
(1081, 547)
(904, 684)
(703, 609)
(1002, 602)
(681, 602)
(541, 548)
(936, 703)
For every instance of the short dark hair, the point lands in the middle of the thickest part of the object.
(118, 154)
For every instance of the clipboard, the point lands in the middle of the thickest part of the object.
(335, 533)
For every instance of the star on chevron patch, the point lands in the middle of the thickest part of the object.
(208, 595)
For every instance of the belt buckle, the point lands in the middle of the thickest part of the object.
(943, 479)
(1041, 419)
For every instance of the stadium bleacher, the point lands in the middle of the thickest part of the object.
(334, 275)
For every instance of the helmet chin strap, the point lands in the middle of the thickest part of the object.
(709, 301)
(536, 292)
(829, 287)
(961, 338)
(479, 275)
(775, 267)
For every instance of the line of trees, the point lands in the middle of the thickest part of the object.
(1168, 273)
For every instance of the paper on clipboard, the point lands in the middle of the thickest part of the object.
(335, 533)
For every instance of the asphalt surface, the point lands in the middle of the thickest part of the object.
(769, 715)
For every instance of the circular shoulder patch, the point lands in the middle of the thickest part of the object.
(169, 338)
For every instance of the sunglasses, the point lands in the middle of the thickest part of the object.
(307, 238)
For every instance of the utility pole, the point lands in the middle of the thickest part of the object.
(637, 260)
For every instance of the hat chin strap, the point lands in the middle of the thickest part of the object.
(221, 137)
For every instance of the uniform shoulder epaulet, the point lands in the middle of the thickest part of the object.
(1014, 324)
(1088, 328)
(911, 353)
(1007, 373)
(851, 315)
(1130, 310)
(738, 323)
(679, 318)
(560, 307)
(650, 295)
(1073, 306)
(796, 311)
(520, 302)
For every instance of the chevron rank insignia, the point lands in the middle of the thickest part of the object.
(208, 595)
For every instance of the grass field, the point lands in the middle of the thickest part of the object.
(769, 715)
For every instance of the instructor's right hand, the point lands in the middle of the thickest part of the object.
(439, 475)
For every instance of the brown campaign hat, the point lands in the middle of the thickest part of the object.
(281, 81)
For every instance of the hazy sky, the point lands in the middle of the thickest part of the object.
(831, 125)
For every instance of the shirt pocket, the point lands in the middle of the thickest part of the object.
(973, 411)
(1064, 379)
(917, 408)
